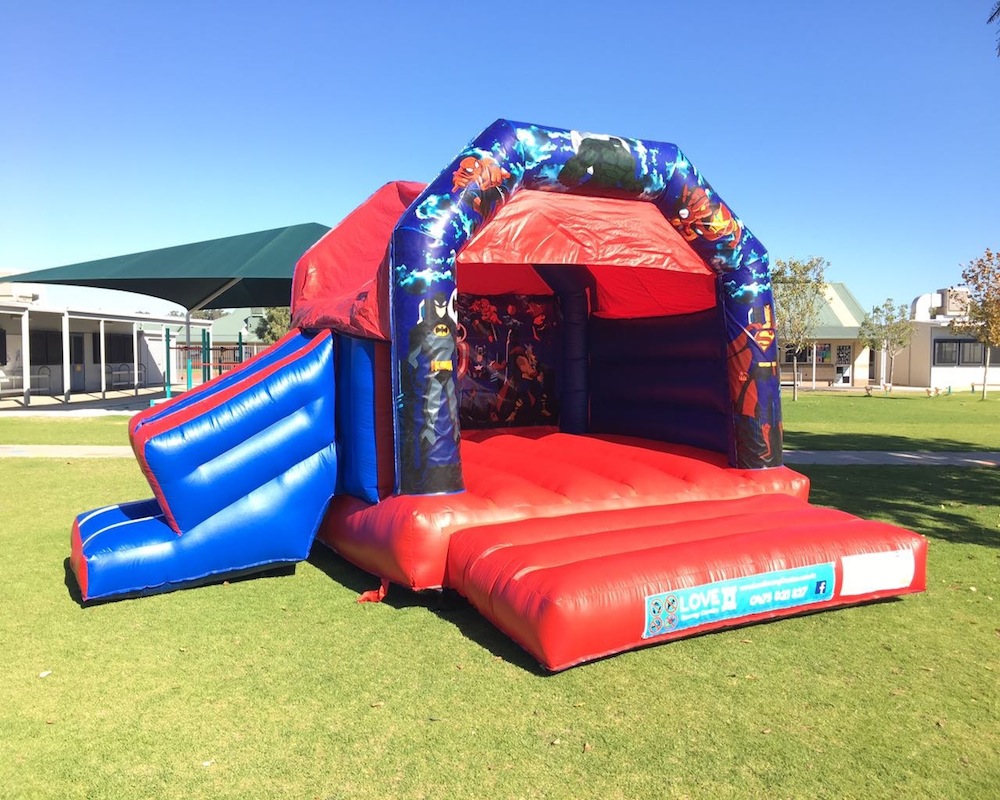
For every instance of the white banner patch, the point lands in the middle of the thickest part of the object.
(877, 572)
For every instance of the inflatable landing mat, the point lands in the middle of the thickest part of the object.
(578, 547)
(588, 585)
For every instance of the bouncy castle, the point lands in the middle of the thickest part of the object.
(549, 380)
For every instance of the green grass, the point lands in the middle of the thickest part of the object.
(51, 429)
(817, 421)
(284, 686)
(900, 421)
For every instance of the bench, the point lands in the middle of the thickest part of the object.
(121, 376)
(13, 383)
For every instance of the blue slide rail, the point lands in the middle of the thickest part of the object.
(242, 469)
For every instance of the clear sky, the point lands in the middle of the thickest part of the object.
(863, 131)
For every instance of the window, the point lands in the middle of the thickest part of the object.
(805, 354)
(118, 347)
(45, 347)
(945, 353)
(961, 353)
(970, 354)
(843, 355)
(3, 347)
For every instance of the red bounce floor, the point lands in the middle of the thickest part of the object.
(582, 546)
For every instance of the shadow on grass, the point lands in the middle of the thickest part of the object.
(952, 504)
(447, 605)
(804, 440)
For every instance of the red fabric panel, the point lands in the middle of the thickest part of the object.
(554, 228)
(341, 282)
(493, 279)
(78, 561)
(641, 292)
(663, 274)
(545, 474)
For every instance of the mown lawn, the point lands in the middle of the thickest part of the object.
(898, 421)
(17, 428)
(817, 421)
(284, 686)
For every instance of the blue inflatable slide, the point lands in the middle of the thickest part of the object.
(251, 493)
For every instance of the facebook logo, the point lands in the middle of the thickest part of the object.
(820, 587)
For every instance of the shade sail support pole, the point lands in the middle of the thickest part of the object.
(104, 363)
(65, 357)
(135, 359)
(187, 348)
(26, 357)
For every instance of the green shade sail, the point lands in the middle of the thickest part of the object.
(253, 269)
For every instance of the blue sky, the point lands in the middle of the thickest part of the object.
(864, 132)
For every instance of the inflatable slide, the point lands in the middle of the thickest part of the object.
(549, 380)
(242, 469)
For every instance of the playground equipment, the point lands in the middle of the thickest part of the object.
(549, 380)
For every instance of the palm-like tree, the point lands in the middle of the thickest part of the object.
(995, 17)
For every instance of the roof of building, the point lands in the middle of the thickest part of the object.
(229, 326)
(841, 315)
(239, 320)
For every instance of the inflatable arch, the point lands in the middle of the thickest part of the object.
(510, 157)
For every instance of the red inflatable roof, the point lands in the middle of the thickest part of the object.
(641, 265)
(342, 281)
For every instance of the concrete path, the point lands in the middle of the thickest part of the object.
(922, 458)
(791, 457)
(64, 451)
(82, 404)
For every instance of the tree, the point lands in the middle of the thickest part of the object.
(798, 288)
(995, 18)
(275, 323)
(982, 319)
(210, 314)
(887, 328)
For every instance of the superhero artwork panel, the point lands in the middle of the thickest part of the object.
(509, 346)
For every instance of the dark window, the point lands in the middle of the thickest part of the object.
(118, 348)
(844, 354)
(945, 353)
(803, 355)
(46, 347)
(970, 354)
(961, 353)
(3, 347)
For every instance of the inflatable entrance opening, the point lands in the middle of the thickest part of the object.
(656, 301)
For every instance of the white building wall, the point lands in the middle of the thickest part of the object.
(48, 378)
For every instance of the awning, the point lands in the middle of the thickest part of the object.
(253, 269)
